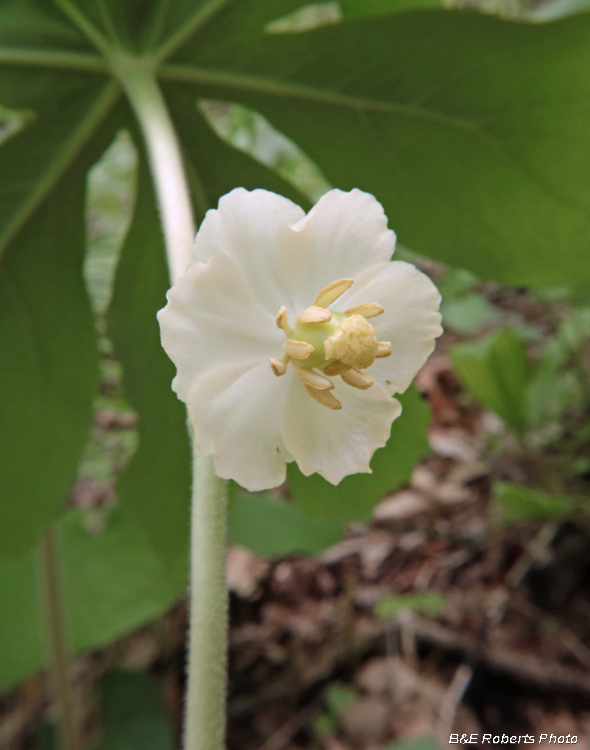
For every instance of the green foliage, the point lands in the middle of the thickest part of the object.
(472, 131)
(462, 157)
(154, 491)
(47, 394)
(427, 742)
(273, 528)
(559, 381)
(133, 714)
(464, 310)
(353, 499)
(113, 582)
(338, 697)
(495, 371)
(427, 603)
(514, 503)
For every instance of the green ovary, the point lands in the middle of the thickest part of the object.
(316, 334)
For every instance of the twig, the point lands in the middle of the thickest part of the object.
(285, 734)
(453, 698)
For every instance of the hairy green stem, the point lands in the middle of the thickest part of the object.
(205, 704)
(207, 665)
(57, 640)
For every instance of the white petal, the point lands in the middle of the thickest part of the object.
(214, 329)
(342, 235)
(337, 443)
(241, 426)
(411, 320)
(252, 228)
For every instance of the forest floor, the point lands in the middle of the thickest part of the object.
(506, 651)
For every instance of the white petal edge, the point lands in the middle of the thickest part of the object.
(411, 321)
(214, 329)
(241, 427)
(338, 443)
(250, 227)
(342, 235)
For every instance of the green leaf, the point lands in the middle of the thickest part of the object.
(409, 107)
(113, 582)
(214, 168)
(427, 603)
(515, 503)
(427, 742)
(46, 738)
(154, 490)
(46, 328)
(273, 528)
(353, 499)
(339, 697)
(50, 375)
(557, 384)
(467, 314)
(133, 714)
(495, 372)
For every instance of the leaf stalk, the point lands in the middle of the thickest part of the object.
(138, 79)
(57, 640)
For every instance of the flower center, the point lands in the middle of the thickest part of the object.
(325, 343)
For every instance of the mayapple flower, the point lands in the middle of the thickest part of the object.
(291, 333)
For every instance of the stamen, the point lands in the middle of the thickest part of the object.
(283, 321)
(298, 349)
(331, 292)
(314, 379)
(358, 379)
(314, 314)
(278, 366)
(325, 398)
(337, 368)
(383, 349)
(368, 310)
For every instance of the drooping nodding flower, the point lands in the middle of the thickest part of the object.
(291, 333)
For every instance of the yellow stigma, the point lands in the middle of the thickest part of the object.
(354, 343)
(334, 343)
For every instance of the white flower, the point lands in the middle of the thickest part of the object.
(262, 393)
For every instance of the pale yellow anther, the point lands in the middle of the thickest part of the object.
(331, 292)
(314, 314)
(314, 379)
(278, 366)
(325, 398)
(298, 349)
(383, 349)
(337, 368)
(354, 343)
(369, 310)
(358, 379)
(282, 317)
(283, 320)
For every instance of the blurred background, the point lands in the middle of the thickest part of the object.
(458, 604)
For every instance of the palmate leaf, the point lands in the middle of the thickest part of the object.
(473, 132)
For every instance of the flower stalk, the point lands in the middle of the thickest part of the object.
(57, 639)
(207, 662)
